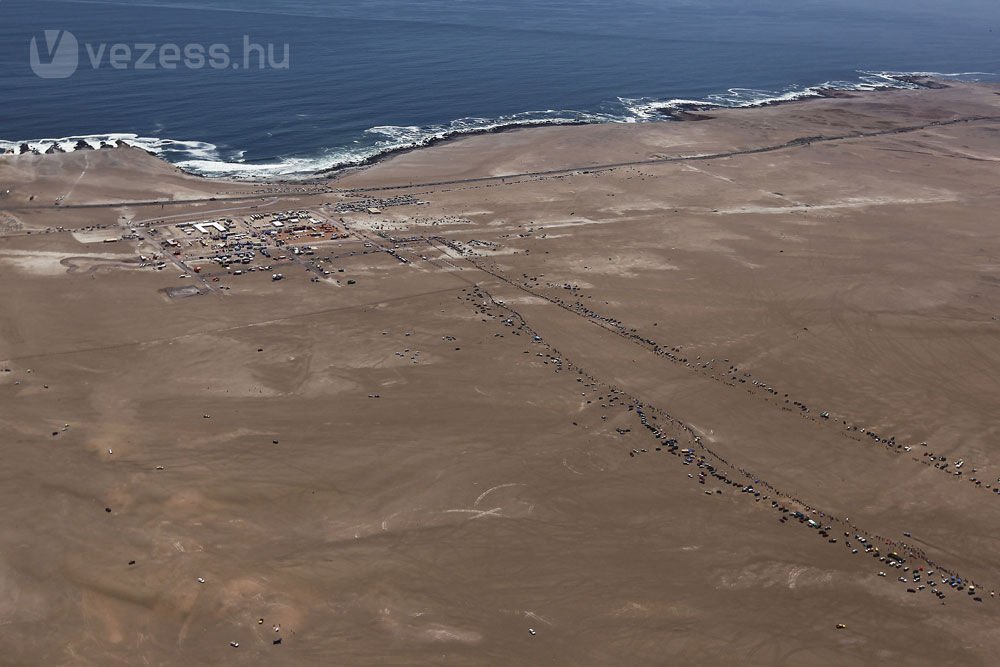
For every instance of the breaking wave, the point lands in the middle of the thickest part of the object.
(652, 109)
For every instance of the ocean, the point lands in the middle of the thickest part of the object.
(309, 84)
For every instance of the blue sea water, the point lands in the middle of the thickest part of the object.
(367, 76)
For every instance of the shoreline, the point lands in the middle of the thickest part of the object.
(676, 111)
(681, 113)
(691, 111)
(508, 155)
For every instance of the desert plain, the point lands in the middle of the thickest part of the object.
(720, 391)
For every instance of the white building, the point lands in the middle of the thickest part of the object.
(207, 227)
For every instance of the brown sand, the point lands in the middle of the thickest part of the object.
(803, 295)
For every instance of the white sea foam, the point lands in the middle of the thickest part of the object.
(154, 145)
(207, 159)
(649, 108)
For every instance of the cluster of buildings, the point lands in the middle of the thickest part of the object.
(250, 243)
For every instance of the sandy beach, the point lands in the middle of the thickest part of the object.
(674, 393)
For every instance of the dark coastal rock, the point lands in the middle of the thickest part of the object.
(122, 144)
(687, 115)
(921, 81)
(834, 93)
(54, 148)
(688, 111)
(24, 149)
(82, 145)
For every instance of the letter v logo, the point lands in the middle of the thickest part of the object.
(61, 55)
